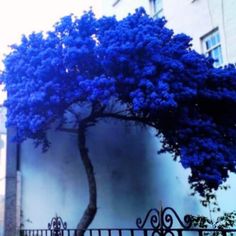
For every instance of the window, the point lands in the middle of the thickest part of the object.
(212, 47)
(156, 8)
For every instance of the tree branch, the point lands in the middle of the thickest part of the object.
(127, 118)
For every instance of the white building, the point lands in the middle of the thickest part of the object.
(211, 23)
(131, 177)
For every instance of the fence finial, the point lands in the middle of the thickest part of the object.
(57, 224)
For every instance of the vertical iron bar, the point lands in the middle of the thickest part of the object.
(200, 233)
(224, 233)
(132, 232)
(180, 232)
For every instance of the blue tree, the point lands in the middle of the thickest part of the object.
(136, 70)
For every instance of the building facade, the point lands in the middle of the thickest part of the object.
(210, 23)
(131, 177)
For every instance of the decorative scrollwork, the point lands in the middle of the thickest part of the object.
(154, 216)
(167, 219)
(163, 219)
(57, 224)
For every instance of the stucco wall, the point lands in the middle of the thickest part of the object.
(131, 178)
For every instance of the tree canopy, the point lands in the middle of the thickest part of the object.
(131, 69)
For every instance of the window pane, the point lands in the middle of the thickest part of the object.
(160, 13)
(158, 5)
(219, 55)
(213, 40)
(157, 9)
(217, 38)
(216, 55)
(208, 44)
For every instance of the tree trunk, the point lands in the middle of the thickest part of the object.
(91, 209)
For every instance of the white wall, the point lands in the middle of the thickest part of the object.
(131, 178)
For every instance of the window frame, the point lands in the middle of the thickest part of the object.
(207, 51)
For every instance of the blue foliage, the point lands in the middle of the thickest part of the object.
(138, 63)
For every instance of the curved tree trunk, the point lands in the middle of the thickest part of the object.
(91, 209)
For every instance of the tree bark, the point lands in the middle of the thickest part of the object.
(91, 209)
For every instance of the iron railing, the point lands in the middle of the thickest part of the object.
(163, 222)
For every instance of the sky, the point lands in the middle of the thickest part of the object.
(18, 17)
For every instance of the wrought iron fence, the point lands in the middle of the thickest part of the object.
(163, 222)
